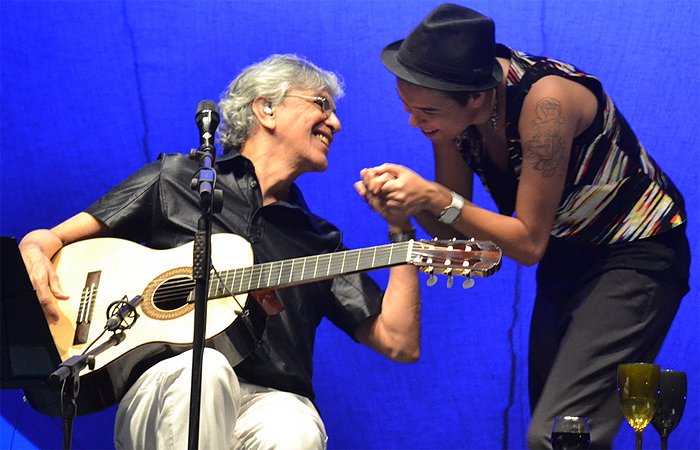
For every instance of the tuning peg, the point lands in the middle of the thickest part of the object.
(450, 279)
(468, 283)
(432, 280)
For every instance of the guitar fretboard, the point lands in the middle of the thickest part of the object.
(306, 269)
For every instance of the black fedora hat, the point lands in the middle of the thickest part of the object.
(453, 49)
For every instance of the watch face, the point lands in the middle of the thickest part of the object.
(450, 215)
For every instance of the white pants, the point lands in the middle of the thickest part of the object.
(154, 413)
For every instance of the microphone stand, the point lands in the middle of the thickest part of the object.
(69, 372)
(211, 201)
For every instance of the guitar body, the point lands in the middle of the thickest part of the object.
(100, 271)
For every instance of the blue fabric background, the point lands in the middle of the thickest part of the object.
(92, 90)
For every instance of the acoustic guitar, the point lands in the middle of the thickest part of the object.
(101, 274)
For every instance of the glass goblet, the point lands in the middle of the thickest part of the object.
(638, 388)
(571, 433)
(673, 387)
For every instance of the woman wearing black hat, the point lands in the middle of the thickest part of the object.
(576, 192)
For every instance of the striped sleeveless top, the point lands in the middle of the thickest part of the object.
(614, 191)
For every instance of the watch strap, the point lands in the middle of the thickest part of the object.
(402, 236)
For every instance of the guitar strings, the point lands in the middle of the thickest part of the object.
(179, 288)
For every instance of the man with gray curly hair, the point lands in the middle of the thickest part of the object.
(279, 123)
(273, 78)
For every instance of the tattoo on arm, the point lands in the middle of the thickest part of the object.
(546, 149)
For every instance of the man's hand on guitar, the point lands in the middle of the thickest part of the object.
(42, 273)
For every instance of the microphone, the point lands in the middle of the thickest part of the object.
(122, 313)
(207, 119)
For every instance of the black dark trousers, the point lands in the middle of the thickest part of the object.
(601, 310)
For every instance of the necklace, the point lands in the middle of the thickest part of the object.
(494, 113)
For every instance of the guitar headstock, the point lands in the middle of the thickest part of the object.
(452, 257)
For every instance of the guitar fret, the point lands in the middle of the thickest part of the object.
(234, 288)
(227, 279)
(255, 276)
(246, 277)
(222, 279)
(265, 270)
(210, 285)
(310, 269)
(379, 254)
(238, 285)
(283, 275)
(283, 270)
(250, 278)
(213, 286)
(360, 259)
(364, 257)
(259, 272)
(337, 260)
(331, 264)
(296, 275)
(254, 270)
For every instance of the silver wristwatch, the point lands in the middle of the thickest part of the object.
(452, 214)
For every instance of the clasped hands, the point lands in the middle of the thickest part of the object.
(395, 192)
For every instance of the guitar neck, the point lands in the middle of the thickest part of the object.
(307, 269)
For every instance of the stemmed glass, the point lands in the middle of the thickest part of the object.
(571, 433)
(638, 387)
(673, 387)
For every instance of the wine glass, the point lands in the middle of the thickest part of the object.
(673, 387)
(571, 433)
(638, 387)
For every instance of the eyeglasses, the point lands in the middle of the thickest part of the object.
(326, 104)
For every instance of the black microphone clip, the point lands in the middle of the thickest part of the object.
(119, 311)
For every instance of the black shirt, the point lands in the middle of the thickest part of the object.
(157, 207)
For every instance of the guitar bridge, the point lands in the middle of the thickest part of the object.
(87, 308)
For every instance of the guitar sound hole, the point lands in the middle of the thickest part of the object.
(173, 294)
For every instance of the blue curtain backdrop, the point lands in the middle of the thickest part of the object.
(92, 90)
